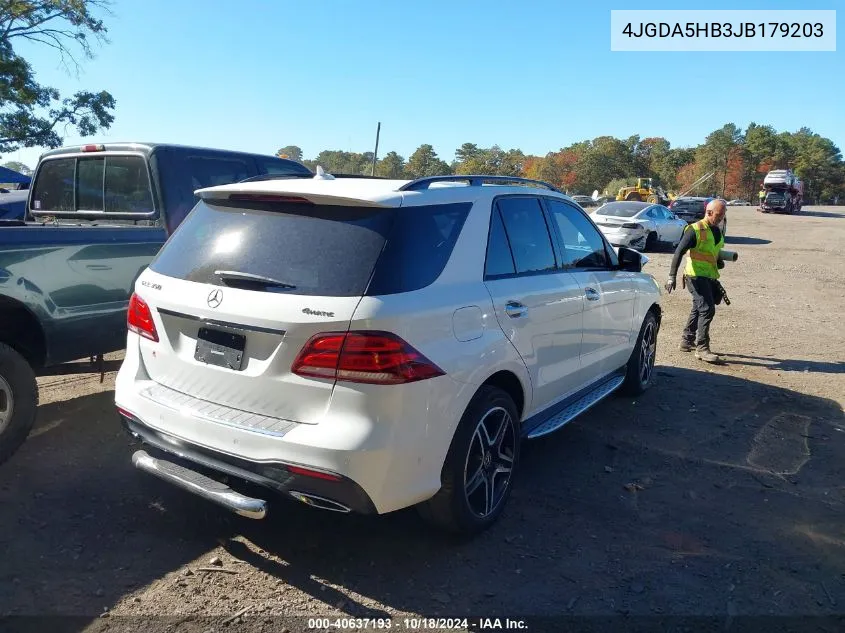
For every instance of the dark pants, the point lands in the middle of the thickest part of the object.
(697, 330)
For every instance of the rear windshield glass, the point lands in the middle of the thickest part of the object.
(325, 250)
(689, 206)
(110, 184)
(622, 209)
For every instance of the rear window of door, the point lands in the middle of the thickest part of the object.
(111, 184)
(527, 233)
(582, 244)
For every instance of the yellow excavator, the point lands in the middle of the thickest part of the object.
(645, 190)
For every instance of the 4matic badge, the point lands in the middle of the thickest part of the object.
(317, 312)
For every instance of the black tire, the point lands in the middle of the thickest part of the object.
(639, 372)
(18, 401)
(634, 197)
(650, 242)
(453, 509)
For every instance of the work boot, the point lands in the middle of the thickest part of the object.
(686, 346)
(706, 355)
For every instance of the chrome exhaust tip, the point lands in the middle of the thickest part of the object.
(319, 502)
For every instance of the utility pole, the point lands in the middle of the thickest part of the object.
(375, 153)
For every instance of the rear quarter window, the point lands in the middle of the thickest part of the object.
(418, 247)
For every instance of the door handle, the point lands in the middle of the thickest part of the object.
(592, 294)
(514, 309)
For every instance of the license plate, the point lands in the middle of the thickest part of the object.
(223, 349)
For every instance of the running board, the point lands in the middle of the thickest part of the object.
(572, 411)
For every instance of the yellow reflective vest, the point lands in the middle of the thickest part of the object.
(702, 260)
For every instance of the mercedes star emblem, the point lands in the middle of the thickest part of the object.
(215, 298)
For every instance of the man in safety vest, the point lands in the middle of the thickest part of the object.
(701, 242)
(762, 196)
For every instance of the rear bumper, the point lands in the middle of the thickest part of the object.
(383, 448)
(634, 240)
(201, 471)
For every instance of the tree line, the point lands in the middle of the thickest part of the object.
(738, 159)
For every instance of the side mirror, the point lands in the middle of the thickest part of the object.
(630, 260)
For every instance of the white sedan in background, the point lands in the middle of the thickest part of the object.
(639, 225)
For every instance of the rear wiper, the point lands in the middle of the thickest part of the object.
(233, 275)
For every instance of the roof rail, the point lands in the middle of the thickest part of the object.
(475, 181)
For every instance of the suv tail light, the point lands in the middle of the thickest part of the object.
(377, 358)
(140, 319)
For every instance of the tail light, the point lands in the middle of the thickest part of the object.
(631, 225)
(377, 358)
(94, 148)
(140, 319)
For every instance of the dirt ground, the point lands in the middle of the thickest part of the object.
(720, 492)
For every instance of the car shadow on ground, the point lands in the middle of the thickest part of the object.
(707, 487)
(737, 239)
(779, 364)
(660, 247)
(821, 214)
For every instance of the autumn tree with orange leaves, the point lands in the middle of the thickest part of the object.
(739, 158)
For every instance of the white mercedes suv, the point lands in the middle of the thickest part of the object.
(367, 345)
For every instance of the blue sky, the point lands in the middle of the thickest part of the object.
(536, 75)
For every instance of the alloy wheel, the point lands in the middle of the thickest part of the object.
(7, 403)
(648, 350)
(490, 461)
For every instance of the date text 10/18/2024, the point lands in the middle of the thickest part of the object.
(417, 624)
